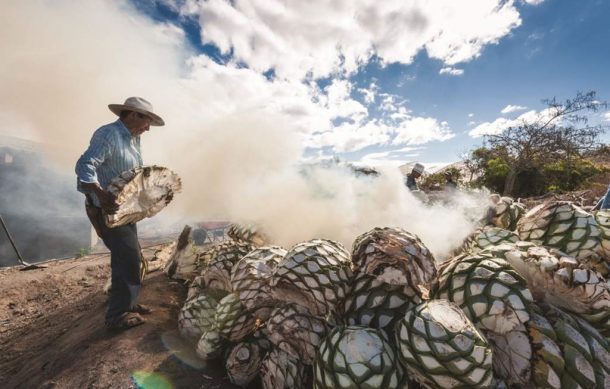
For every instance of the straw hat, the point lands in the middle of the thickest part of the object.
(138, 104)
(419, 168)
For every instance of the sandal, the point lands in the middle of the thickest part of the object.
(127, 321)
(141, 309)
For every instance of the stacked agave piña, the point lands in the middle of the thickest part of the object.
(356, 357)
(243, 363)
(182, 264)
(567, 227)
(251, 277)
(602, 319)
(314, 274)
(248, 233)
(309, 286)
(488, 236)
(487, 288)
(441, 347)
(222, 259)
(561, 280)
(507, 212)
(197, 316)
(393, 271)
(495, 298)
(504, 313)
(294, 330)
(585, 353)
(603, 220)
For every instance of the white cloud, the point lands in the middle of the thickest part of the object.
(533, 2)
(369, 93)
(401, 114)
(421, 130)
(512, 108)
(451, 71)
(607, 116)
(388, 103)
(339, 103)
(348, 137)
(472, 123)
(470, 115)
(406, 130)
(501, 124)
(320, 38)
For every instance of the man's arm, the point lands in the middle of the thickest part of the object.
(107, 199)
(86, 170)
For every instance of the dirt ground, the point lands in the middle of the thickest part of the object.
(52, 333)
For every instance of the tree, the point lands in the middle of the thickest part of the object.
(560, 131)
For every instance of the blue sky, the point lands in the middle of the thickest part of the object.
(559, 47)
(370, 82)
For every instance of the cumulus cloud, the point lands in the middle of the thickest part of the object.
(512, 108)
(607, 116)
(348, 137)
(369, 93)
(319, 38)
(451, 71)
(501, 124)
(420, 130)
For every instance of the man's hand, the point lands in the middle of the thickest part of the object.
(107, 199)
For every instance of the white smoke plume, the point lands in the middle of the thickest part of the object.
(63, 61)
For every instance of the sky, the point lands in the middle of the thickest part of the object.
(405, 80)
(362, 81)
(252, 90)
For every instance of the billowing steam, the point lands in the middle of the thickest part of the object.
(64, 61)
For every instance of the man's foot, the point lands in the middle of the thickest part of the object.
(141, 309)
(127, 321)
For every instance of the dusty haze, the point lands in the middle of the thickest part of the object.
(239, 158)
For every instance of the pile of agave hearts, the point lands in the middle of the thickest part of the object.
(524, 303)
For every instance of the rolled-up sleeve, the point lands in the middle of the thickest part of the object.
(95, 155)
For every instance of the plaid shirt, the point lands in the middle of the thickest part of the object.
(112, 150)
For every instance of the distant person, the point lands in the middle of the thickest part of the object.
(115, 148)
(450, 184)
(604, 202)
(412, 177)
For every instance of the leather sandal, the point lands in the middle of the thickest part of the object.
(127, 321)
(141, 309)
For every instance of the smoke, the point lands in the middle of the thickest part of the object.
(239, 158)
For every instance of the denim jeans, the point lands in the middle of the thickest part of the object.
(606, 200)
(125, 264)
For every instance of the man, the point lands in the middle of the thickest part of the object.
(115, 148)
(412, 177)
(604, 202)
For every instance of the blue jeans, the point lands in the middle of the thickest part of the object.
(606, 200)
(125, 256)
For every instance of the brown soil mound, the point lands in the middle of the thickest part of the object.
(52, 333)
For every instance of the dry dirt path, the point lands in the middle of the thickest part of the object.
(52, 333)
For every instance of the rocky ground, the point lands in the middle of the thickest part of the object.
(52, 333)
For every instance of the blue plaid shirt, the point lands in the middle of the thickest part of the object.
(112, 151)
